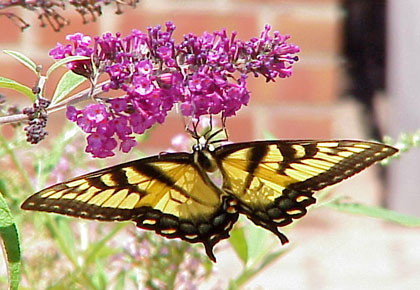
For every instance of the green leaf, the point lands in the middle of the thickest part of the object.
(10, 237)
(376, 212)
(257, 238)
(11, 84)
(64, 61)
(66, 234)
(249, 273)
(99, 277)
(67, 83)
(92, 251)
(60, 232)
(120, 280)
(2, 185)
(26, 61)
(238, 242)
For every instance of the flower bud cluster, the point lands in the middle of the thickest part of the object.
(37, 116)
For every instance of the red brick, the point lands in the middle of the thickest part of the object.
(47, 38)
(192, 21)
(241, 127)
(313, 35)
(56, 122)
(300, 126)
(7, 131)
(308, 83)
(159, 138)
(10, 32)
(14, 70)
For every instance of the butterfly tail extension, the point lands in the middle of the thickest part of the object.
(208, 231)
(289, 206)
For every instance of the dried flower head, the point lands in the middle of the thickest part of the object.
(37, 116)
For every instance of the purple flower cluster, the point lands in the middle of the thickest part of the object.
(203, 74)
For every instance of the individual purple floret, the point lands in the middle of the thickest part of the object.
(203, 74)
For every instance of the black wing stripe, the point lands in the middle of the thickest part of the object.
(288, 153)
(119, 178)
(310, 150)
(255, 156)
(155, 173)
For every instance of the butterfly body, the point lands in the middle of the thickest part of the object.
(271, 182)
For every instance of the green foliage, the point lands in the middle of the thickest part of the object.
(18, 87)
(10, 237)
(257, 248)
(23, 59)
(374, 211)
(67, 83)
(404, 142)
(238, 243)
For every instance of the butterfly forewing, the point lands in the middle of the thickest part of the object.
(274, 180)
(166, 193)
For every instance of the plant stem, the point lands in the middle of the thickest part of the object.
(77, 98)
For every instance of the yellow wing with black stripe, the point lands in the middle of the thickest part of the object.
(274, 181)
(168, 193)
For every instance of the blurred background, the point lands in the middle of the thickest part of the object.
(357, 78)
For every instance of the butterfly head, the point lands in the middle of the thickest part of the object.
(203, 144)
(203, 156)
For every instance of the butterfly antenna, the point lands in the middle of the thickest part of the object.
(210, 128)
(192, 132)
(224, 128)
(217, 132)
(196, 135)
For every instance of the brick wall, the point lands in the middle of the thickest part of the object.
(299, 107)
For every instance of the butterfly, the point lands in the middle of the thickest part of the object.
(175, 195)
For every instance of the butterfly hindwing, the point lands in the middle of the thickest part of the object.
(274, 181)
(167, 193)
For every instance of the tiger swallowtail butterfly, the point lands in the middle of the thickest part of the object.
(271, 182)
